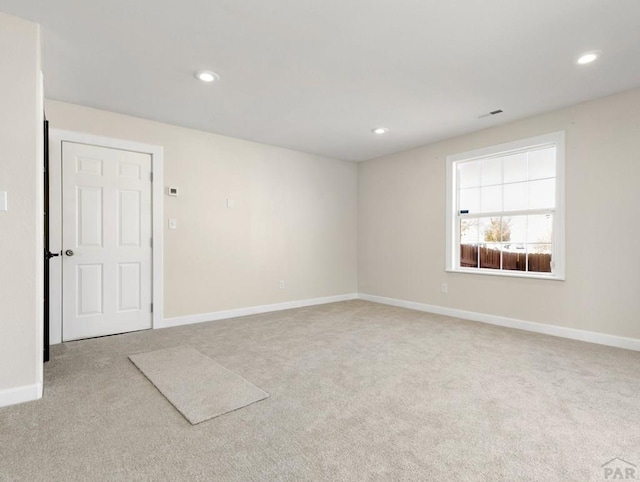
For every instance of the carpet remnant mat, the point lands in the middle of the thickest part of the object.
(198, 387)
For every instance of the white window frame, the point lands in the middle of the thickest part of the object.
(556, 139)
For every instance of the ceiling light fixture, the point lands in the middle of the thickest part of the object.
(380, 130)
(588, 57)
(207, 76)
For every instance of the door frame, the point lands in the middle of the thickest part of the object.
(56, 138)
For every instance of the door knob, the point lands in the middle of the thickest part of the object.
(68, 252)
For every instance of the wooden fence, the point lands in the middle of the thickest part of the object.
(490, 258)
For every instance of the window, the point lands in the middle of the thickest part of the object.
(505, 209)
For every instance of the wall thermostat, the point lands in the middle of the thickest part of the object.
(173, 191)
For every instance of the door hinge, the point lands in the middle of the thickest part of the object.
(151, 242)
(151, 176)
(151, 307)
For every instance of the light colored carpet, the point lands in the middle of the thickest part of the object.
(197, 386)
(359, 391)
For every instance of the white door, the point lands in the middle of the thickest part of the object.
(106, 241)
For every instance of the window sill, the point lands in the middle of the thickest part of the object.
(507, 274)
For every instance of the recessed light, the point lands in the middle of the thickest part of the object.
(588, 57)
(206, 76)
(380, 130)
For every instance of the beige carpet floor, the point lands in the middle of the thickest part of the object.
(359, 391)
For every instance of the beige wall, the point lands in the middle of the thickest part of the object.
(295, 215)
(21, 225)
(402, 224)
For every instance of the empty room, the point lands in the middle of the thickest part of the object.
(337, 240)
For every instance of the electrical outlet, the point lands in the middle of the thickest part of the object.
(281, 284)
(444, 288)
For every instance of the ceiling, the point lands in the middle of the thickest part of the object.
(318, 76)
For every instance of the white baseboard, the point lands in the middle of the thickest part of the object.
(554, 330)
(252, 310)
(26, 393)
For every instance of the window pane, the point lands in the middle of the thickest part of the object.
(542, 194)
(469, 231)
(514, 257)
(469, 174)
(539, 258)
(515, 167)
(490, 229)
(490, 256)
(516, 196)
(542, 163)
(540, 228)
(514, 230)
(491, 172)
(539, 248)
(470, 200)
(469, 255)
(490, 199)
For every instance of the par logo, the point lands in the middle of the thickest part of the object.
(619, 469)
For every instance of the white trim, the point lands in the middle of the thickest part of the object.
(252, 310)
(505, 273)
(553, 330)
(26, 393)
(531, 326)
(451, 254)
(39, 188)
(559, 216)
(57, 136)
